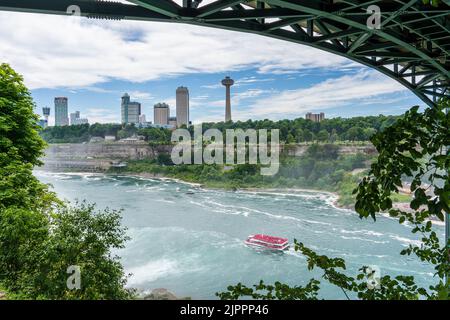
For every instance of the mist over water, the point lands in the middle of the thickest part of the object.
(190, 240)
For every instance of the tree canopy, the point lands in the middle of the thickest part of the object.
(40, 236)
(291, 131)
(18, 124)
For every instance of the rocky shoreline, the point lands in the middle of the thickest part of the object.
(335, 202)
(335, 196)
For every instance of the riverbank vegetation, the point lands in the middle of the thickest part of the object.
(322, 167)
(43, 241)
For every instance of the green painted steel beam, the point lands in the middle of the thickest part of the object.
(282, 23)
(217, 6)
(338, 35)
(406, 55)
(432, 93)
(254, 14)
(325, 31)
(261, 5)
(316, 9)
(165, 7)
(88, 8)
(342, 24)
(378, 46)
(426, 80)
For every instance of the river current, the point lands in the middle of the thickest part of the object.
(190, 240)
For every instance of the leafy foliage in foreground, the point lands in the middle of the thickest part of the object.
(40, 237)
(415, 147)
(83, 237)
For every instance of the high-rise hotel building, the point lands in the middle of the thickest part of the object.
(61, 111)
(161, 113)
(75, 119)
(182, 104)
(130, 110)
(315, 117)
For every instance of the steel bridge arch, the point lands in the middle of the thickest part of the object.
(411, 46)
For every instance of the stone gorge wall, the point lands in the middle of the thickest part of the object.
(300, 149)
(100, 156)
(96, 156)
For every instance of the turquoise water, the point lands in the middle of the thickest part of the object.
(192, 244)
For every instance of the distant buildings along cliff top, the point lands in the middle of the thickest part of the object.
(182, 106)
(315, 117)
(173, 122)
(75, 119)
(142, 119)
(130, 110)
(61, 111)
(161, 113)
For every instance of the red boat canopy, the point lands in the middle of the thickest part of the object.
(270, 239)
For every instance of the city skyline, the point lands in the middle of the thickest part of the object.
(271, 82)
(131, 111)
(182, 107)
(61, 111)
(200, 103)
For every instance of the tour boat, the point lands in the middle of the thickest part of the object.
(267, 242)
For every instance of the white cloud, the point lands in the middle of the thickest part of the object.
(55, 51)
(251, 80)
(238, 97)
(102, 115)
(140, 95)
(200, 97)
(345, 90)
(359, 89)
(100, 90)
(239, 82)
(212, 86)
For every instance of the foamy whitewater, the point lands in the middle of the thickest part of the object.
(190, 240)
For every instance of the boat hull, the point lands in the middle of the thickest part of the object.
(267, 247)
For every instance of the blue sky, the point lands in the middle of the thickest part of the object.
(94, 62)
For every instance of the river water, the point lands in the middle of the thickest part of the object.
(190, 240)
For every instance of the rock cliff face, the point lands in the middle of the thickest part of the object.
(299, 150)
(97, 156)
(101, 156)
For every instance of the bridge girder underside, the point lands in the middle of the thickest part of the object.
(412, 45)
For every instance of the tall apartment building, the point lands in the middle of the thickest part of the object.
(142, 119)
(316, 117)
(130, 110)
(75, 119)
(161, 113)
(173, 122)
(182, 105)
(61, 111)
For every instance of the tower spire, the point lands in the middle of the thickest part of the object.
(228, 82)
